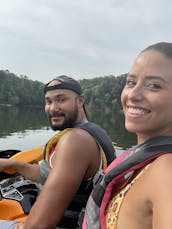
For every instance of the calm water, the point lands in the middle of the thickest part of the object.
(26, 128)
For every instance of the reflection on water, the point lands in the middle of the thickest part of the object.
(25, 128)
(27, 139)
(113, 122)
(14, 119)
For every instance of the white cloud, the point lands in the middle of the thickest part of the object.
(82, 38)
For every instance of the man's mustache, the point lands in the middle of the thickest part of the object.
(57, 114)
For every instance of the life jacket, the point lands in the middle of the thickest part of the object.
(93, 129)
(118, 171)
(70, 218)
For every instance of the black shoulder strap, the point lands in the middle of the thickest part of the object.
(102, 137)
(143, 152)
(138, 155)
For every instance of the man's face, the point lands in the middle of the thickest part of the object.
(61, 107)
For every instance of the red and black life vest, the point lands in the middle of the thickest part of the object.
(119, 169)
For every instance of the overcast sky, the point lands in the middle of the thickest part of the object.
(81, 38)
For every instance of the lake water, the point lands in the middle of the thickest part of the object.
(27, 128)
(26, 140)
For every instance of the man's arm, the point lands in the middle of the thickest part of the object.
(29, 171)
(77, 158)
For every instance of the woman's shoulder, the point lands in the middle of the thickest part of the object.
(159, 174)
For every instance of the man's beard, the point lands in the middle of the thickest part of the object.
(69, 122)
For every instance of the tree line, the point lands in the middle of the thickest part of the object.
(104, 92)
(101, 92)
(20, 91)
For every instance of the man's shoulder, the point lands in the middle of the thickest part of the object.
(78, 144)
(76, 136)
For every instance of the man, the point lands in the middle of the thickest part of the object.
(71, 158)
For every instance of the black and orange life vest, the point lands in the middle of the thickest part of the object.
(107, 150)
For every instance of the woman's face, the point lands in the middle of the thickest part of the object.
(147, 96)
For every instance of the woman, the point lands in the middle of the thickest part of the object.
(142, 199)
